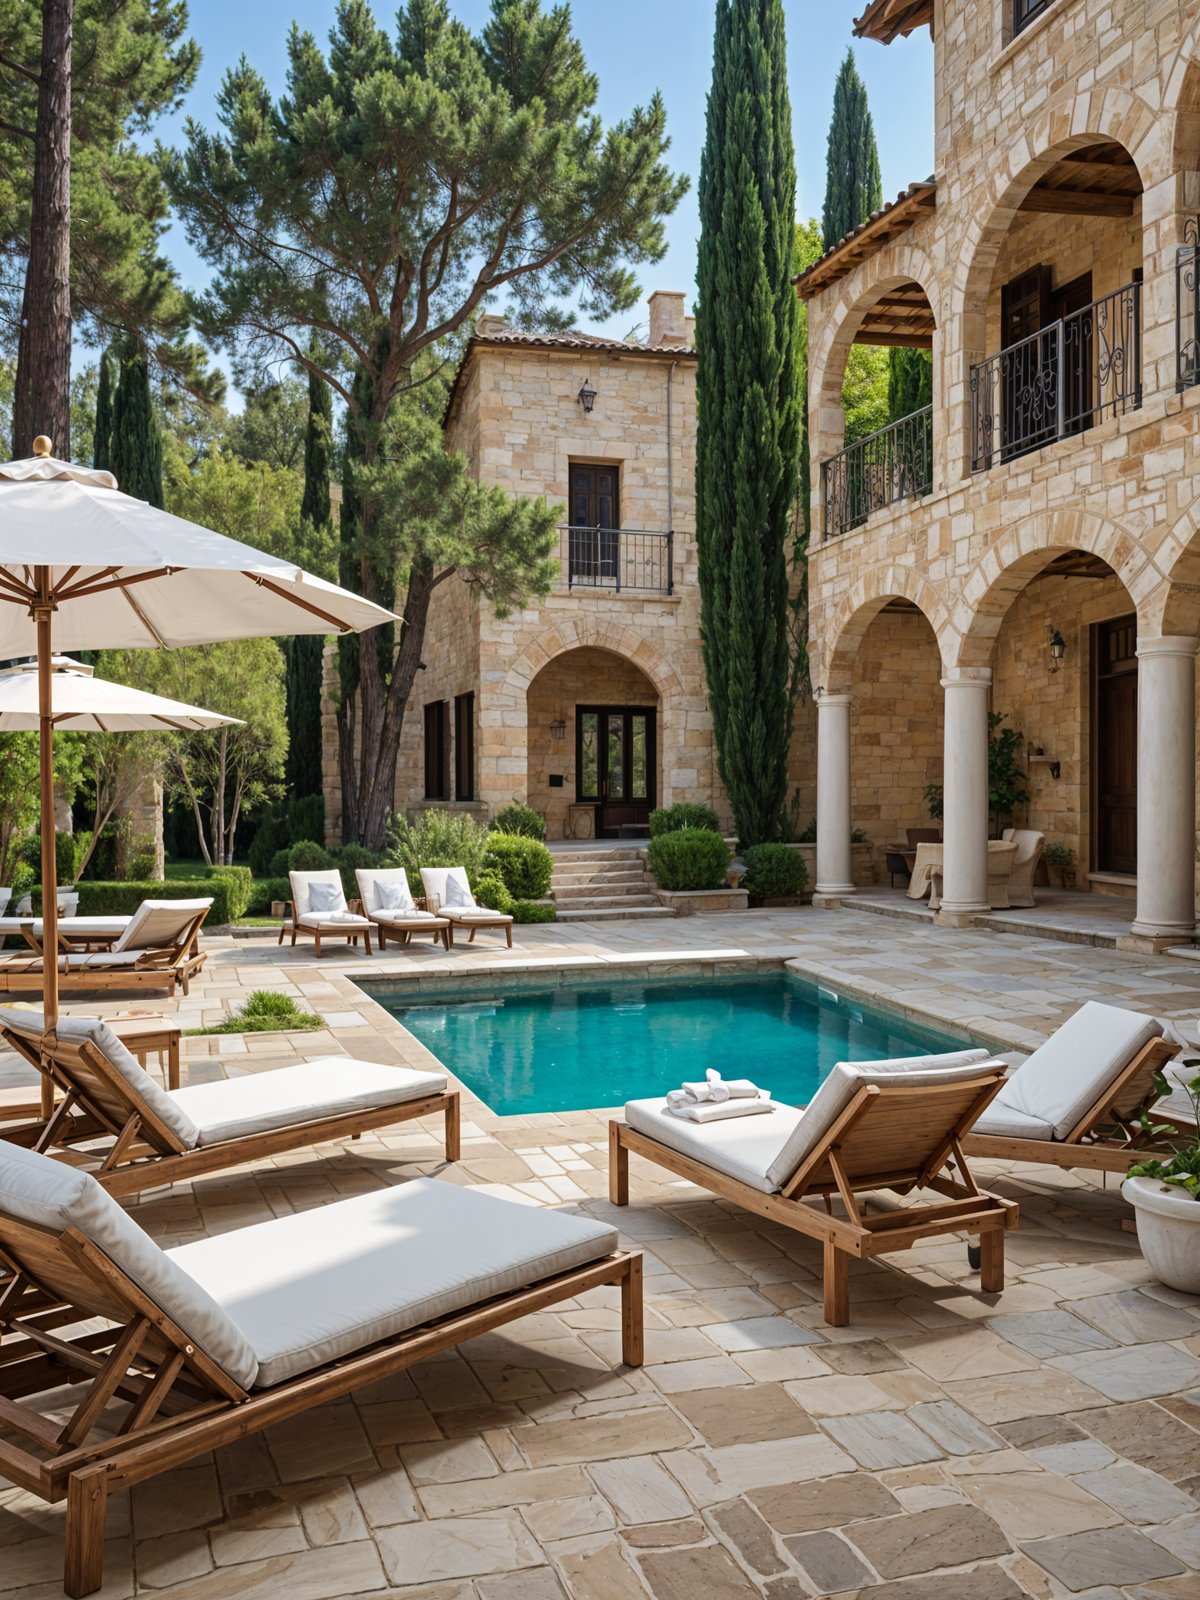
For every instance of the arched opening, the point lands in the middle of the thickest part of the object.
(595, 743)
(1052, 310)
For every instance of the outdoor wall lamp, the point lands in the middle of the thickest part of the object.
(586, 397)
(558, 728)
(1058, 649)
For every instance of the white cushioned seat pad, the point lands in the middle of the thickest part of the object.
(332, 919)
(256, 1102)
(475, 914)
(142, 1087)
(50, 1194)
(404, 919)
(306, 1289)
(1002, 1122)
(740, 1147)
(1065, 1076)
(840, 1087)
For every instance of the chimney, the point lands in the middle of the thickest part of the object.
(490, 324)
(668, 323)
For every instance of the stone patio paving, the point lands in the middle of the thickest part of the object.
(945, 1446)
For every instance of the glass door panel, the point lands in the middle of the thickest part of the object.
(615, 765)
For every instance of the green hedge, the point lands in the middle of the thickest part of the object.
(670, 819)
(106, 899)
(240, 880)
(263, 891)
(773, 872)
(525, 864)
(491, 891)
(692, 858)
(517, 818)
(533, 911)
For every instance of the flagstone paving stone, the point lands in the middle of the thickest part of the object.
(947, 1445)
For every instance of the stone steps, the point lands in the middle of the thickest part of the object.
(629, 913)
(603, 885)
(573, 880)
(578, 902)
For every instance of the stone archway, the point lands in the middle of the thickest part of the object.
(857, 611)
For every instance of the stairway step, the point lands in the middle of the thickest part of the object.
(622, 853)
(629, 913)
(580, 880)
(603, 901)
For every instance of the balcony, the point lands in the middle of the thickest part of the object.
(621, 560)
(1058, 381)
(895, 463)
(1187, 307)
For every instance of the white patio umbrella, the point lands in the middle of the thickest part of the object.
(83, 566)
(84, 703)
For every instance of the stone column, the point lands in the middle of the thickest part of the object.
(1166, 824)
(835, 877)
(965, 796)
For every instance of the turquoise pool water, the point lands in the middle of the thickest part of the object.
(600, 1044)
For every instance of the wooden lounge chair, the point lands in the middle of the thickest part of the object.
(448, 893)
(74, 933)
(387, 900)
(205, 1344)
(158, 950)
(114, 1119)
(319, 908)
(1077, 1100)
(872, 1125)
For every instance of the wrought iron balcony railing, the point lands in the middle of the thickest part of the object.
(618, 559)
(1187, 306)
(896, 463)
(1058, 381)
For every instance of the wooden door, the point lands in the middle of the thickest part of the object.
(595, 518)
(1114, 777)
(615, 762)
(1067, 303)
(1027, 371)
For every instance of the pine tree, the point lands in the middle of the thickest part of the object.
(102, 443)
(749, 408)
(910, 381)
(305, 655)
(853, 186)
(136, 451)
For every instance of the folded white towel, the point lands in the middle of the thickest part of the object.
(725, 1108)
(715, 1090)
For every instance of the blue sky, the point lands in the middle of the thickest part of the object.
(635, 47)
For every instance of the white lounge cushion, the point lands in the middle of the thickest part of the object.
(52, 1195)
(384, 889)
(303, 884)
(945, 1058)
(1002, 1122)
(405, 919)
(1077, 1064)
(332, 919)
(143, 1090)
(75, 925)
(740, 1147)
(159, 923)
(475, 914)
(306, 1289)
(234, 1108)
(840, 1087)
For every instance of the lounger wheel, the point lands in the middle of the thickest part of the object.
(974, 1257)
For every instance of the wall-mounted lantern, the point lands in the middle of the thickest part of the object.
(586, 397)
(558, 728)
(1058, 649)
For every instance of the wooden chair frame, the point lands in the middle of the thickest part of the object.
(351, 934)
(1108, 1137)
(142, 1151)
(402, 929)
(858, 1153)
(156, 968)
(501, 920)
(181, 1403)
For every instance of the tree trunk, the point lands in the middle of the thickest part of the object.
(42, 403)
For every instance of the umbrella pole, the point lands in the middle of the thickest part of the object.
(43, 611)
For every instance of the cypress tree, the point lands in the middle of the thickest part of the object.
(102, 444)
(910, 381)
(136, 450)
(853, 186)
(305, 655)
(749, 408)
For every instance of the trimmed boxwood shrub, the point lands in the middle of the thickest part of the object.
(773, 872)
(100, 898)
(533, 911)
(306, 855)
(691, 858)
(524, 864)
(491, 890)
(240, 879)
(263, 891)
(517, 818)
(670, 819)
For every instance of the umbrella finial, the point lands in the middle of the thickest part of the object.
(43, 446)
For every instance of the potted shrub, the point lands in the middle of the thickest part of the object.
(1165, 1196)
(1060, 865)
(775, 874)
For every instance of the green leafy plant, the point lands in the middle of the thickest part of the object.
(525, 865)
(491, 890)
(1181, 1169)
(264, 892)
(309, 856)
(773, 872)
(113, 898)
(240, 879)
(533, 911)
(1059, 855)
(266, 1011)
(436, 839)
(1006, 780)
(670, 819)
(689, 858)
(518, 818)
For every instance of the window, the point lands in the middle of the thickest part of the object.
(595, 519)
(1027, 11)
(437, 750)
(464, 746)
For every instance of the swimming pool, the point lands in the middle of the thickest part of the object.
(579, 1046)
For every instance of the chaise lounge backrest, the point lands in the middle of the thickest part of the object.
(41, 1200)
(1068, 1076)
(906, 1131)
(88, 1056)
(372, 882)
(162, 924)
(303, 884)
(435, 880)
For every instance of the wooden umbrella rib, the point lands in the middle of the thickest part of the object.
(305, 605)
(20, 591)
(90, 585)
(144, 620)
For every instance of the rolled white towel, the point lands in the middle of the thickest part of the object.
(716, 1112)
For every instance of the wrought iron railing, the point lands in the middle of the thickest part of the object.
(618, 559)
(1187, 306)
(895, 463)
(1058, 381)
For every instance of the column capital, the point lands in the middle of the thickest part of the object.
(1167, 644)
(824, 698)
(967, 678)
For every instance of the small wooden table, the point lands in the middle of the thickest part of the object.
(145, 1033)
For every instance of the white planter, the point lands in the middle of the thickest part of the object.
(1168, 1225)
